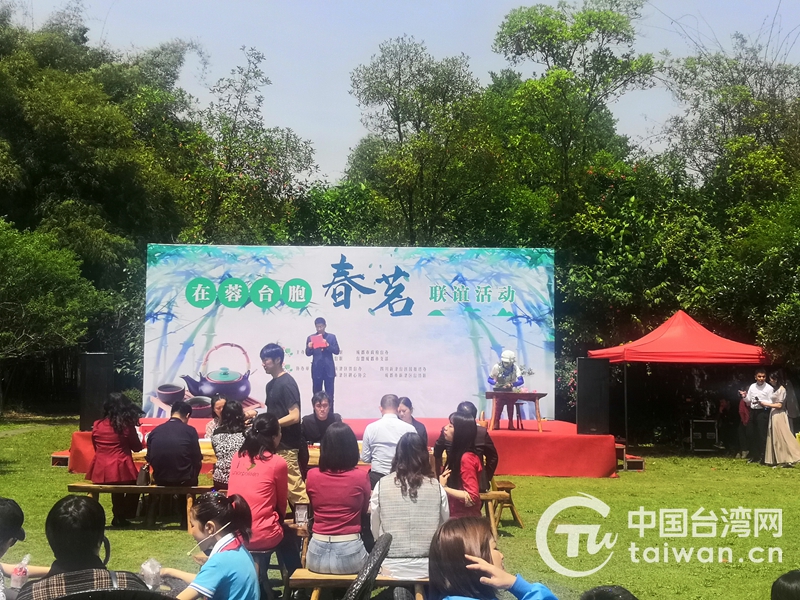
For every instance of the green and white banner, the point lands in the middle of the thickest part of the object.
(427, 323)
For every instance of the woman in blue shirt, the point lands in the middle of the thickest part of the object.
(221, 525)
(464, 563)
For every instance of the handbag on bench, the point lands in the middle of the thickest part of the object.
(143, 478)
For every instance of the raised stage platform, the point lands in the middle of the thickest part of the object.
(556, 452)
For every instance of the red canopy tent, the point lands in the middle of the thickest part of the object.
(681, 339)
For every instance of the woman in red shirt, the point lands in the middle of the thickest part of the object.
(462, 472)
(114, 438)
(261, 477)
(339, 494)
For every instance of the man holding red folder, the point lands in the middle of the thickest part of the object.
(322, 346)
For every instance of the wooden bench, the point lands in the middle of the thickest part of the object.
(95, 489)
(303, 578)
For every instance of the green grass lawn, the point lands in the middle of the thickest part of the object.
(669, 482)
(26, 476)
(682, 482)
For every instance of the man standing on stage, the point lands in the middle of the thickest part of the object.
(322, 346)
(283, 401)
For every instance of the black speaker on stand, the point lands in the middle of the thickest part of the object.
(591, 410)
(96, 380)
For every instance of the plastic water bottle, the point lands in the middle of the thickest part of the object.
(19, 576)
(151, 573)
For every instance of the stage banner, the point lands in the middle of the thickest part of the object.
(427, 323)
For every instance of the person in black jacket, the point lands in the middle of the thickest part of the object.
(484, 448)
(316, 424)
(405, 412)
(173, 449)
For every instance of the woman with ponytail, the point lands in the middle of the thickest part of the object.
(221, 527)
(262, 478)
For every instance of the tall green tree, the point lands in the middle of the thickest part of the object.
(747, 91)
(738, 136)
(431, 151)
(404, 89)
(587, 60)
(346, 214)
(246, 173)
(642, 242)
(45, 303)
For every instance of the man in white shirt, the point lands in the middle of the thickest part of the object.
(758, 393)
(381, 437)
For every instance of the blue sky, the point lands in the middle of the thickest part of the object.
(312, 46)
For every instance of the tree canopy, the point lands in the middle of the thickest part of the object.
(102, 152)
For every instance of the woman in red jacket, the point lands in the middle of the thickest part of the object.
(462, 472)
(114, 438)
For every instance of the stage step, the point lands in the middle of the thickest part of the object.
(59, 459)
(625, 461)
(620, 448)
(634, 463)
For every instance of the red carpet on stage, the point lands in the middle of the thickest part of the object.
(556, 452)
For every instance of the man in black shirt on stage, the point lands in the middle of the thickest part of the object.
(283, 401)
(316, 424)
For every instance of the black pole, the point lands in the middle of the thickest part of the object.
(625, 377)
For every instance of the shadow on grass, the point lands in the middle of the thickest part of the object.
(506, 530)
(665, 451)
(140, 525)
(7, 467)
(33, 419)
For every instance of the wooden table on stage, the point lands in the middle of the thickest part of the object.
(508, 398)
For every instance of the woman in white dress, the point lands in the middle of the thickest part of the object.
(783, 449)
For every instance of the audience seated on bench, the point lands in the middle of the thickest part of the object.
(75, 530)
(339, 494)
(410, 504)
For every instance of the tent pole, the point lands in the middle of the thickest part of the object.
(625, 378)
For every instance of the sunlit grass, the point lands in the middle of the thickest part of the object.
(26, 476)
(669, 481)
(689, 482)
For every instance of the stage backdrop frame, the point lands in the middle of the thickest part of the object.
(427, 323)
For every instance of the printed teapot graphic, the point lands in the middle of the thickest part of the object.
(230, 384)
